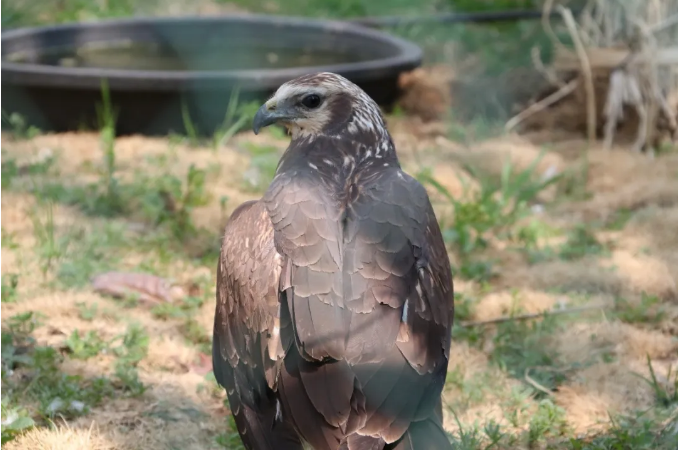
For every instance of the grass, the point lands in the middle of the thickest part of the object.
(18, 126)
(89, 345)
(31, 376)
(50, 247)
(638, 431)
(546, 427)
(70, 236)
(542, 427)
(87, 312)
(580, 242)
(665, 393)
(523, 372)
(164, 200)
(523, 347)
(91, 252)
(648, 310)
(10, 284)
(496, 209)
(237, 117)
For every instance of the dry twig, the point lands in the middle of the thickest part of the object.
(528, 316)
(542, 104)
(535, 384)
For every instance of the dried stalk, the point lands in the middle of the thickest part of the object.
(542, 104)
(535, 384)
(548, 73)
(547, 26)
(527, 316)
(586, 72)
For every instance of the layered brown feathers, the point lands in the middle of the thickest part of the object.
(334, 294)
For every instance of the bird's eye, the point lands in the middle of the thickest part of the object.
(311, 101)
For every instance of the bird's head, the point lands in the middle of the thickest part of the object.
(321, 104)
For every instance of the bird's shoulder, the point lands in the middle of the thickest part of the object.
(248, 272)
(247, 243)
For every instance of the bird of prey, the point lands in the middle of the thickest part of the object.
(334, 290)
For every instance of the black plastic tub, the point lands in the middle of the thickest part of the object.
(153, 66)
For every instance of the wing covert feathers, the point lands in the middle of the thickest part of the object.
(245, 336)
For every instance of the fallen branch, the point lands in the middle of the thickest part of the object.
(504, 319)
(535, 384)
(542, 104)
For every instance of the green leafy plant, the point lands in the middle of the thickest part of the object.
(127, 378)
(87, 312)
(464, 306)
(85, 347)
(50, 246)
(237, 117)
(132, 349)
(107, 117)
(180, 198)
(521, 347)
(649, 310)
(15, 420)
(580, 243)
(191, 130)
(133, 345)
(10, 282)
(44, 386)
(548, 421)
(19, 127)
(665, 393)
(639, 430)
(196, 334)
(9, 240)
(494, 209)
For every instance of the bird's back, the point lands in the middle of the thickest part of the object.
(368, 299)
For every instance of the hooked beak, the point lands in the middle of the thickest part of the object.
(266, 115)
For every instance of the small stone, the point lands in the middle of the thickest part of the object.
(78, 405)
(55, 405)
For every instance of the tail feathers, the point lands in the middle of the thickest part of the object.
(425, 434)
(261, 431)
(356, 441)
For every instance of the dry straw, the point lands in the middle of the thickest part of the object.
(635, 43)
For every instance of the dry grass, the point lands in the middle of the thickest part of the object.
(180, 409)
(63, 437)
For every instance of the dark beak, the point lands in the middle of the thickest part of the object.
(266, 116)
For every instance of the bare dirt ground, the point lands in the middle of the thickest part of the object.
(571, 371)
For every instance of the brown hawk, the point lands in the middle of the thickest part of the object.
(334, 291)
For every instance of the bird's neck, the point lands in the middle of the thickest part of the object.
(335, 155)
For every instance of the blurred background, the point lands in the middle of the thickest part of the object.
(544, 131)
